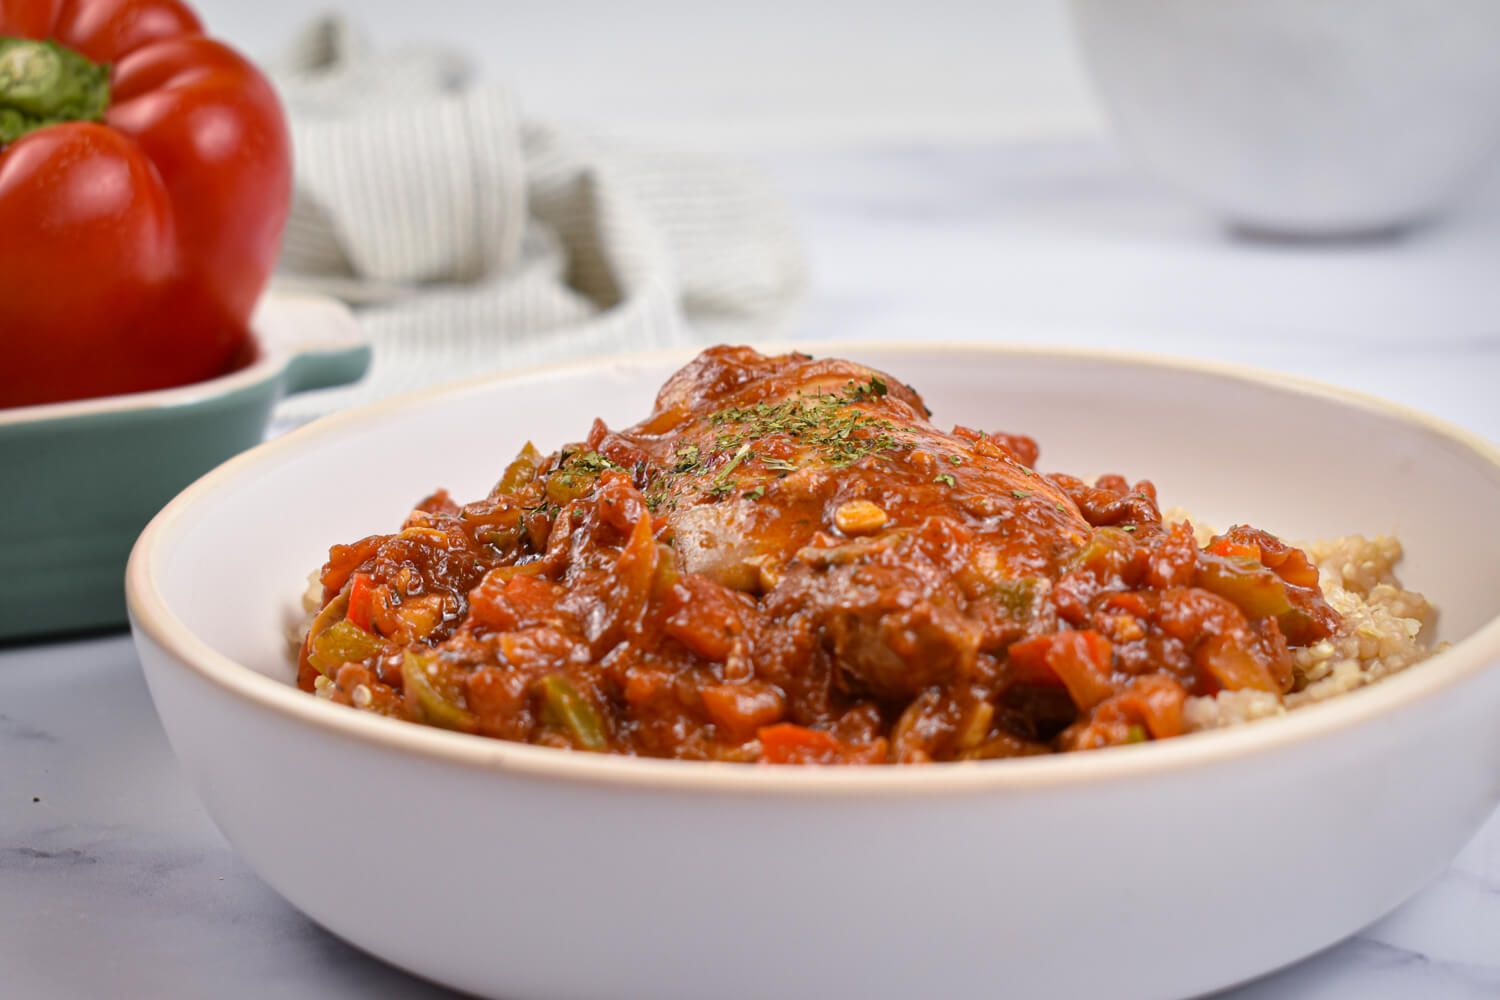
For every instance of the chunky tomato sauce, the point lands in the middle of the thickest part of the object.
(786, 562)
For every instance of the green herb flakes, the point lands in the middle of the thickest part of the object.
(687, 458)
(830, 424)
(722, 487)
(592, 461)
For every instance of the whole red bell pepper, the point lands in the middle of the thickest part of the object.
(145, 179)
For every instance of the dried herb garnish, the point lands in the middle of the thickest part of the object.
(592, 461)
(576, 468)
(722, 486)
(659, 499)
(830, 424)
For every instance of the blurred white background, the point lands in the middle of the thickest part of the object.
(772, 74)
(952, 178)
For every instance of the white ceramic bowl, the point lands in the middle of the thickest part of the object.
(1329, 119)
(1159, 870)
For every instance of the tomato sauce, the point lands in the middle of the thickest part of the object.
(787, 562)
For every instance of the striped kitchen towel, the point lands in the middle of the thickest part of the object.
(473, 241)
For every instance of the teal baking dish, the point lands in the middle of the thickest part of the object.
(78, 481)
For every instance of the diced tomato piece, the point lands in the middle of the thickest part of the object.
(1028, 661)
(1129, 602)
(704, 616)
(1157, 700)
(1082, 660)
(740, 709)
(643, 684)
(1150, 707)
(1079, 660)
(786, 743)
(519, 602)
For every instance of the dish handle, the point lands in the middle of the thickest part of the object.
(318, 337)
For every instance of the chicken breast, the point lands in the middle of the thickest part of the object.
(822, 486)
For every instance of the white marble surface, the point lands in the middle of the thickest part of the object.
(113, 882)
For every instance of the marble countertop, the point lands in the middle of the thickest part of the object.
(114, 882)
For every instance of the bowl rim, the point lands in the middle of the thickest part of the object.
(269, 360)
(152, 619)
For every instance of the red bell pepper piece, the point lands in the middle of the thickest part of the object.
(361, 594)
(1234, 550)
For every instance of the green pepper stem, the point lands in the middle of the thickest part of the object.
(43, 83)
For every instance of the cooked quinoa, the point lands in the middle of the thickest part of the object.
(1386, 628)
